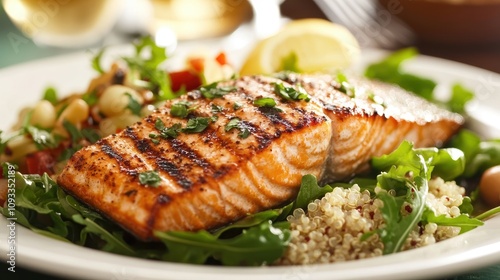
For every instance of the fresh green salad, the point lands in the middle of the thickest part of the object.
(399, 180)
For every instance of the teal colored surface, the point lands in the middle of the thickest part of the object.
(16, 48)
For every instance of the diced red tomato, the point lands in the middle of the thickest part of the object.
(40, 162)
(184, 79)
(221, 58)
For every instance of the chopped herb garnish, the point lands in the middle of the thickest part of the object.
(154, 138)
(50, 95)
(265, 102)
(150, 178)
(236, 106)
(216, 108)
(211, 91)
(181, 109)
(345, 86)
(244, 132)
(233, 123)
(236, 123)
(214, 118)
(42, 138)
(290, 93)
(134, 106)
(159, 124)
(376, 99)
(96, 61)
(167, 132)
(196, 125)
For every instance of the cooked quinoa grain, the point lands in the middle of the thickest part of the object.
(333, 227)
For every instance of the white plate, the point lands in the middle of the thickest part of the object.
(23, 84)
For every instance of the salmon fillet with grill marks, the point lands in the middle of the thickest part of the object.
(221, 174)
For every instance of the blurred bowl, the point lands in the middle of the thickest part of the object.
(196, 19)
(450, 22)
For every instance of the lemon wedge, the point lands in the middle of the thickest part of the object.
(312, 45)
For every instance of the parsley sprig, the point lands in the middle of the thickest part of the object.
(290, 93)
(150, 178)
(147, 67)
(236, 123)
(212, 91)
(181, 109)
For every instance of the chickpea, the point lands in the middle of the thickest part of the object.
(489, 186)
(43, 115)
(76, 112)
(115, 99)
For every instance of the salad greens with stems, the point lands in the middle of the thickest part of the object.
(397, 179)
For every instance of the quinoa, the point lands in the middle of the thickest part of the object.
(332, 228)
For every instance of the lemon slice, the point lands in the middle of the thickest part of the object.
(317, 45)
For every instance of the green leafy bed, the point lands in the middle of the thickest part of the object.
(262, 238)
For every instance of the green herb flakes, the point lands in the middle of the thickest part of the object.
(181, 109)
(167, 132)
(216, 108)
(236, 123)
(290, 93)
(196, 125)
(150, 178)
(265, 102)
(211, 91)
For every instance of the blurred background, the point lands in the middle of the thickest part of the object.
(462, 30)
(466, 31)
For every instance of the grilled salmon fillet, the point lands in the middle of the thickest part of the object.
(236, 154)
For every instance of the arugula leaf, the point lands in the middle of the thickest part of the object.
(479, 155)
(459, 97)
(113, 241)
(398, 227)
(464, 222)
(389, 70)
(258, 245)
(147, 67)
(309, 190)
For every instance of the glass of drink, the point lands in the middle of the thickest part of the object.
(64, 23)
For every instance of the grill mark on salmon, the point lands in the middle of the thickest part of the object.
(215, 177)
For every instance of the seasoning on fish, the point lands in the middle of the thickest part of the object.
(216, 162)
